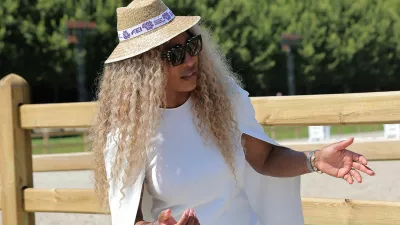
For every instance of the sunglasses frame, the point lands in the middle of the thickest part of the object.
(166, 54)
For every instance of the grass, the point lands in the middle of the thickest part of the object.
(61, 145)
(302, 132)
(278, 133)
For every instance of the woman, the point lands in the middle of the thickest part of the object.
(173, 115)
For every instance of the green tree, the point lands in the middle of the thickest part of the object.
(346, 46)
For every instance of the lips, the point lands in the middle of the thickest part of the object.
(189, 74)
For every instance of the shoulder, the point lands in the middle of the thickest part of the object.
(241, 104)
(236, 91)
(239, 96)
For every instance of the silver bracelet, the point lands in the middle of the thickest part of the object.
(308, 161)
(310, 158)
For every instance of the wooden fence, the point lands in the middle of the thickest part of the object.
(19, 199)
(46, 135)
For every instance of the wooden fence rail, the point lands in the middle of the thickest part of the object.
(316, 211)
(374, 150)
(18, 199)
(365, 108)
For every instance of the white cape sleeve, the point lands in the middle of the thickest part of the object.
(275, 200)
(124, 212)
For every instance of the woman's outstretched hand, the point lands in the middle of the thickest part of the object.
(337, 161)
(188, 218)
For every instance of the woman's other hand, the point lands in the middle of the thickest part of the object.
(188, 218)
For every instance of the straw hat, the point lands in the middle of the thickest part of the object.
(145, 24)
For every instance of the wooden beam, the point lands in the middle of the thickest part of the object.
(345, 212)
(61, 200)
(63, 162)
(373, 150)
(316, 210)
(362, 108)
(61, 115)
(15, 151)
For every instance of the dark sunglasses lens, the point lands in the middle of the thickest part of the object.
(194, 46)
(176, 56)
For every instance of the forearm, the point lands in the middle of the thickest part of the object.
(285, 162)
(142, 222)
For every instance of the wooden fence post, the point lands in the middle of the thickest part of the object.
(15, 151)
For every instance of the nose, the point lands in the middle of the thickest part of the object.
(189, 61)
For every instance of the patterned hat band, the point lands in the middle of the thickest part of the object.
(151, 24)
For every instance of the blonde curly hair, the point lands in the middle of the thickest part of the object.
(130, 95)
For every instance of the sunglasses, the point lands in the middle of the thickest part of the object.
(176, 55)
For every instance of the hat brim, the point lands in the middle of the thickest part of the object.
(145, 42)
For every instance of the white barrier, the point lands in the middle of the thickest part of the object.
(319, 133)
(392, 131)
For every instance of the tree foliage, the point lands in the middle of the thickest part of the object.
(346, 46)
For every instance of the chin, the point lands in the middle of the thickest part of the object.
(188, 87)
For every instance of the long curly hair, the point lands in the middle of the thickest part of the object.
(130, 95)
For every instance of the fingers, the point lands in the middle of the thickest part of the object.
(192, 218)
(348, 178)
(196, 222)
(359, 158)
(188, 218)
(343, 144)
(164, 215)
(363, 168)
(191, 221)
(356, 175)
(184, 219)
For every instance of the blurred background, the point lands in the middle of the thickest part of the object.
(340, 46)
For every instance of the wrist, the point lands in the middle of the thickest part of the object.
(313, 159)
(316, 159)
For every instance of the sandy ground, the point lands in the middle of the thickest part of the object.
(385, 186)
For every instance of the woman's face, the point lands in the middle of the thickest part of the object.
(183, 77)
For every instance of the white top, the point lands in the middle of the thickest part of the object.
(185, 173)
